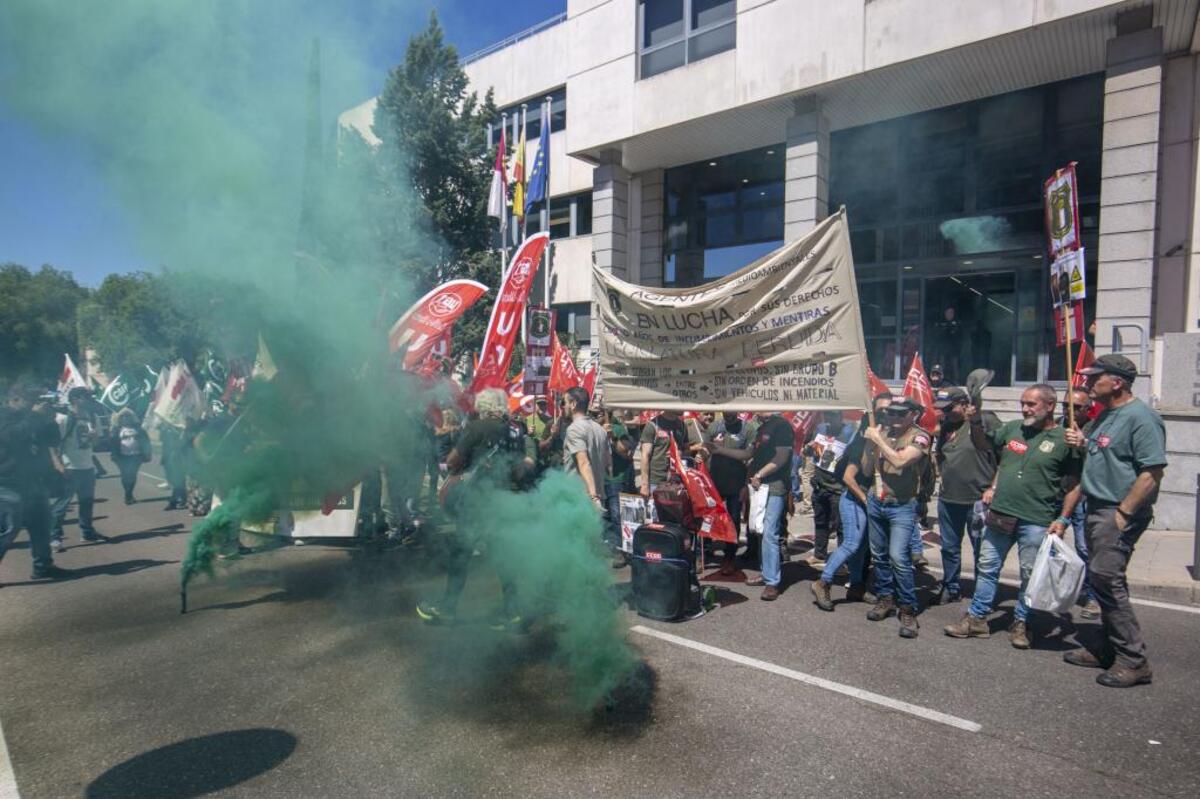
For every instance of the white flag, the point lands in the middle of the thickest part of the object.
(497, 195)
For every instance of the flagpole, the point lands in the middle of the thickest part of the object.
(1067, 324)
(524, 130)
(546, 166)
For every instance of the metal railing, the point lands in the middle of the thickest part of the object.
(516, 37)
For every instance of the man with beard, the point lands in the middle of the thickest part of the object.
(1126, 455)
(1024, 504)
(966, 473)
(896, 453)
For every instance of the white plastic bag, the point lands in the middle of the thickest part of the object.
(758, 508)
(1056, 578)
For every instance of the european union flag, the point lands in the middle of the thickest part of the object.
(540, 174)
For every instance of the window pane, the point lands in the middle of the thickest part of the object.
(560, 217)
(662, 20)
(583, 214)
(702, 45)
(707, 12)
(662, 60)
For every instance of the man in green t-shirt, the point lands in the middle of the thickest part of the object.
(655, 448)
(1025, 500)
(1126, 454)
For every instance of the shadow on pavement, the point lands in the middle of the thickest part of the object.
(195, 766)
(110, 569)
(153, 532)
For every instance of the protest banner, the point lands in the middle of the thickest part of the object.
(784, 333)
(634, 513)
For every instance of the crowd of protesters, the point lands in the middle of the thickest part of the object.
(866, 485)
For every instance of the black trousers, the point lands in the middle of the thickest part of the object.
(1110, 549)
(827, 520)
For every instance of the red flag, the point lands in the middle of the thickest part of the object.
(707, 505)
(563, 374)
(1060, 328)
(1085, 359)
(589, 380)
(917, 388)
(505, 321)
(802, 423)
(877, 386)
(429, 320)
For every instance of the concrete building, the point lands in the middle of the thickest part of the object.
(700, 134)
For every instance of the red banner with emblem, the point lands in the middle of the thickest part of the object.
(563, 373)
(707, 505)
(505, 321)
(917, 388)
(429, 320)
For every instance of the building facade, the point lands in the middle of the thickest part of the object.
(688, 137)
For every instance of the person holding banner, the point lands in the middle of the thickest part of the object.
(897, 456)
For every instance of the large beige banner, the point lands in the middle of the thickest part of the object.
(784, 333)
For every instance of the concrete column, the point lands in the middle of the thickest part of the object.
(806, 186)
(1177, 182)
(650, 262)
(1129, 189)
(610, 226)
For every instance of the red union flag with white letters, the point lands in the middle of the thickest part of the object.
(431, 318)
(506, 314)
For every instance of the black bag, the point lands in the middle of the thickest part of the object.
(673, 505)
(664, 580)
(1001, 522)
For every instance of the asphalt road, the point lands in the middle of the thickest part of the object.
(304, 672)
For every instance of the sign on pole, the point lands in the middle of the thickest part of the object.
(1068, 284)
(537, 350)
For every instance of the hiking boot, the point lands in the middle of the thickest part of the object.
(1125, 677)
(769, 594)
(968, 627)
(432, 614)
(857, 593)
(51, 573)
(946, 596)
(1018, 635)
(885, 606)
(908, 621)
(1084, 658)
(1091, 610)
(820, 591)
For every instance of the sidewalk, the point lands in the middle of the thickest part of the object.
(1160, 569)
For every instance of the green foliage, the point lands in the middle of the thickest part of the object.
(37, 320)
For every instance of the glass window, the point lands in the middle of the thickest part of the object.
(583, 214)
(662, 20)
(711, 12)
(718, 40)
(533, 116)
(560, 217)
(677, 32)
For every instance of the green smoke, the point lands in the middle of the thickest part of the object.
(977, 234)
(197, 114)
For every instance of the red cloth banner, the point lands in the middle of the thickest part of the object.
(505, 321)
(803, 423)
(589, 380)
(1085, 359)
(707, 505)
(917, 388)
(429, 320)
(877, 386)
(1060, 328)
(563, 374)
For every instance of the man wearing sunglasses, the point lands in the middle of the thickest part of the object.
(1081, 405)
(896, 452)
(1123, 468)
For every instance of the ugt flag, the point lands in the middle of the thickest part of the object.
(506, 316)
(431, 318)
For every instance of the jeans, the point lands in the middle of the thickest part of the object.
(612, 524)
(772, 566)
(825, 516)
(953, 519)
(81, 484)
(891, 529)
(174, 462)
(852, 551)
(915, 545)
(29, 509)
(1028, 538)
(128, 467)
(1079, 527)
(797, 482)
(1111, 548)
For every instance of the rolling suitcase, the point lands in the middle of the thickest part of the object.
(665, 586)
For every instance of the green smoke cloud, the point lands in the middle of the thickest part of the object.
(195, 112)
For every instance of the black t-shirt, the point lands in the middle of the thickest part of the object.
(775, 432)
(728, 474)
(17, 449)
(854, 454)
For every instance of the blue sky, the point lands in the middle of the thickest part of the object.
(55, 209)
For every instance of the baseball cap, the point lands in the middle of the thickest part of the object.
(905, 404)
(949, 396)
(1111, 364)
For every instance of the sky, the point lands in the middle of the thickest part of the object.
(55, 209)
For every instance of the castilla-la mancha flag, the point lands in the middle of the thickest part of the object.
(917, 388)
(505, 321)
(430, 319)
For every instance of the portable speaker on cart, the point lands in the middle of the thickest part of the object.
(665, 586)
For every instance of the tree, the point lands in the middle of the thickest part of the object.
(37, 321)
(434, 140)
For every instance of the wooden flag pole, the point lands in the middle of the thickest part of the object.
(1067, 325)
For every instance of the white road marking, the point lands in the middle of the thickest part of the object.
(8, 780)
(818, 682)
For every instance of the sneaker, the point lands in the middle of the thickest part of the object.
(505, 622)
(1018, 635)
(820, 592)
(1091, 610)
(885, 606)
(432, 614)
(1125, 677)
(51, 572)
(1084, 658)
(92, 537)
(769, 594)
(946, 596)
(968, 627)
(908, 621)
(58, 545)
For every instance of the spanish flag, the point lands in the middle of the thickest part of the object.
(518, 174)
